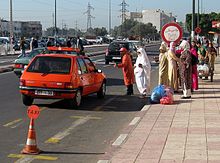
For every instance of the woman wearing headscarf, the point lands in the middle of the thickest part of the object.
(211, 54)
(172, 67)
(142, 73)
(186, 69)
(194, 55)
(163, 64)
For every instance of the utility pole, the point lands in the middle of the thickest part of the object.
(55, 21)
(123, 11)
(11, 25)
(193, 20)
(89, 16)
(110, 18)
(198, 14)
(76, 28)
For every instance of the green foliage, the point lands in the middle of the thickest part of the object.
(205, 22)
(131, 28)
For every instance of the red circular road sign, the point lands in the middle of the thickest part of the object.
(198, 30)
(171, 32)
(33, 111)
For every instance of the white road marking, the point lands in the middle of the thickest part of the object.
(107, 102)
(134, 121)
(120, 139)
(145, 108)
(59, 136)
(103, 161)
(25, 160)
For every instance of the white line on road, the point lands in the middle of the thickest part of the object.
(59, 136)
(134, 121)
(120, 139)
(25, 160)
(145, 108)
(103, 161)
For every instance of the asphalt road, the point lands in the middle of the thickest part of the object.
(86, 134)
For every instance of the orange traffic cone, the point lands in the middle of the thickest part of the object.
(31, 146)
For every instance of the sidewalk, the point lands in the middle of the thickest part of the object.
(185, 132)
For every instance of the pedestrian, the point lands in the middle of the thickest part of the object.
(127, 69)
(31, 44)
(194, 56)
(212, 53)
(172, 68)
(186, 69)
(68, 43)
(22, 46)
(79, 45)
(163, 65)
(142, 69)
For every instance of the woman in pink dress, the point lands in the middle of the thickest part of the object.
(194, 55)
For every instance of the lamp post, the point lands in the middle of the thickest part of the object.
(11, 24)
(55, 18)
(193, 20)
(109, 17)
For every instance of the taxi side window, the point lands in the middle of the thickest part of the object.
(82, 66)
(89, 64)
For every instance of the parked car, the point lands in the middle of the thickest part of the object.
(61, 76)
(22, 61)
(113, 51)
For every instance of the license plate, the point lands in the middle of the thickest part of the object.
(44, 93)
(116, 57)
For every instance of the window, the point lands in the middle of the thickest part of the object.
(89, 65)
(82, 65)
(50, 65)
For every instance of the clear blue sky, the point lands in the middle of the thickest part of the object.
(71, 11)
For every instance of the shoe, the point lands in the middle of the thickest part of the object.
(143, 96)
(185, 97)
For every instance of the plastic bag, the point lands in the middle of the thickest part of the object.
(166, 100)
(157, 93)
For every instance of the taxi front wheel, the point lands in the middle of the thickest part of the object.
(27, 100)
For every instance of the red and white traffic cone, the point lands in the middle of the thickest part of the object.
(31, 146)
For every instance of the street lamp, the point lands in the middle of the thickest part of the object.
(110, 17)
(55, 17)
(10, 24)
(193, 20)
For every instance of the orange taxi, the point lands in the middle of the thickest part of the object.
(61, 76)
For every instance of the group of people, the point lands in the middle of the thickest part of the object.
(139, 73)
(179, 67)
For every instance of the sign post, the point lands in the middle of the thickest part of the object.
(171, 32)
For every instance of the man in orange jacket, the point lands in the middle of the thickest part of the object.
(128, 71)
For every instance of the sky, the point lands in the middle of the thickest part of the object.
(71, 13)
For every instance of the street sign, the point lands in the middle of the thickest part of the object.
(171, 32)
(198, 30)
(33, 111)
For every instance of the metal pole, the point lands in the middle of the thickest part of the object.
(11, 24)
(198, 15)
(193, 20)
(55, 21)
(109, 17)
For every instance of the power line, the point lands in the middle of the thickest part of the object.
(89, 16)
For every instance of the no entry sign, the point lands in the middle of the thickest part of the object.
(33, 111)
(171, 32)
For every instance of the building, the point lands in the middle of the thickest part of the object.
(157, 17)
(22, 28)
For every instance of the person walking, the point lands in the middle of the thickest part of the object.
(194, 56)
(142, 73)
(79, 45)
(163, 65)
(22, 46)
(212, 53)
(172, 67)
(127, 69)
(186, 69)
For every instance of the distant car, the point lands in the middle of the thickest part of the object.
(113, 53)
(61, 76)
(22, 61)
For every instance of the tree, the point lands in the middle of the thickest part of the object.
(205, 22)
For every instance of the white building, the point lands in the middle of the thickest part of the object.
(157, 17)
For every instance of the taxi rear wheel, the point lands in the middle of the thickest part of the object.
(77, 99)
(27, 100)
(102, 91)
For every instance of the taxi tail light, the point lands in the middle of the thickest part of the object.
(68, 85)
(18, 66)
(22, 82)
(106, 52)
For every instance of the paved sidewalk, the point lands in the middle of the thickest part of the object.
(185, 132)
